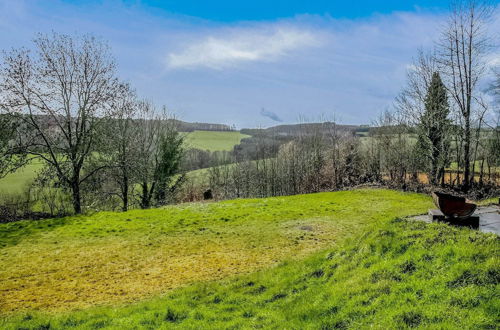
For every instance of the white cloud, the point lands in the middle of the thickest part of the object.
(493, 60)
(241, 45)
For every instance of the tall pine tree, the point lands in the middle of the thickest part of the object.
(433, 130)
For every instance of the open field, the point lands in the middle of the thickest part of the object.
(14, 183)
(214, 140)
(369, 267)
(74, 262)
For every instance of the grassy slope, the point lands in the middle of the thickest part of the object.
(393, 274)
(214, 141)
(120, 257)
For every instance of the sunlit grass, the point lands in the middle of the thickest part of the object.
(15, 183)
(388, 274)
(489, 201)
(74, 262)
(214, 140)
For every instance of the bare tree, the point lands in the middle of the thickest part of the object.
(148, 135)
(395, 147)
(493, 141)
(122, 134)
(62, 94)
(411, 101)
(461, 55)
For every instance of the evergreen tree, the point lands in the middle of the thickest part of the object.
(433, 137)
(169, 157)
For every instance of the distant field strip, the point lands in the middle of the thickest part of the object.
(75, 262)
(214, 140)
(14, 183)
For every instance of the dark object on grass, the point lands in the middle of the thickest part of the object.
(208, 194)
(471, 222)
(453, 207)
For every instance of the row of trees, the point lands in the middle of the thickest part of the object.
(62, 103)
(310, 163)
(393, 154)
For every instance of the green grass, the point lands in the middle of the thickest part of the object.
(213, 140)
(489, 201)
(14, 183)
(386, 274)
(109, 258)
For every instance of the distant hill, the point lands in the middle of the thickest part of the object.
(184, 126)
(279, 130)
(301, 129)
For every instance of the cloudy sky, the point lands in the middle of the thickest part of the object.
(249, 63)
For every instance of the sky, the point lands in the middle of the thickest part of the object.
(248, 63)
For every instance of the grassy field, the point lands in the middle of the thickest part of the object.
(14, 183)
(121, 257)
(214, 141)
(339, 265)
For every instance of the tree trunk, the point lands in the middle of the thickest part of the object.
(433, 174)
(145, 200)
(481, 172)
(125, 193)
(75, 188)
(466, 182)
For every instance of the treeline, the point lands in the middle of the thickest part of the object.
(389, 156)
(101, 146)
(183, 126)
(304, 128)
(310, 163)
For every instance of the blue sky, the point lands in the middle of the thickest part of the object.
(233, 11)
(249, 63)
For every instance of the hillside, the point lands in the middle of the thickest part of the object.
(213, 140)
(304, 128)
(365, 266)
(145, 252)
